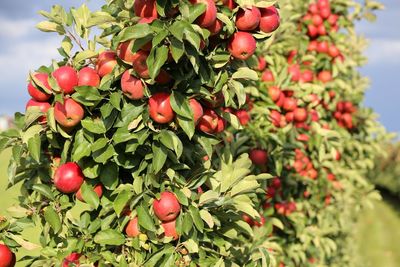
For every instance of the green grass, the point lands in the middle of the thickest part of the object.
(378, 235)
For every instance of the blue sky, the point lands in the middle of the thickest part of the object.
(23, 48)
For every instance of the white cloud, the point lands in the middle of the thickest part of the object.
(384, 51)
(16, 28)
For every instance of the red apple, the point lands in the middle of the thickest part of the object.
(242, 45)
(248, 19)
(322, 29)
(333, 18)
(43, 107)
(276, 118)
(221, 125)
(106, 63)
(312, 31)
(313, 9)
(7, 257)
(258, 156)
(131, 86)
(170, 229)
(290, 104)
(166, 208)
(317, 20)
(132, 228)
(72, 260)
(145, 8)
(210, 14)
(140, 65)
(243, 116)
(333, 51)
(197, 109)
(160, 108)
(69, 113)
(325, 12)
(163, 77)
(300, 115)
(267, 76)
(325, 76)
(274, 92)
(36, 93)
(67, 79)
(262, 64)
(88, 77)
(208, 123)
(98, 189)
(312, 46)
(230, 4)
(289, 116)
(323, 47)
(307, 76)
(68, 178)
(215, 28)
(294, 71)
(270, 20)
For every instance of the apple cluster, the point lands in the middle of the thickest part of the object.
(344, 114)
(320, 20)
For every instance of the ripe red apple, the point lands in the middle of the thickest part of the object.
(69, 113)
(333, 51)
(270, 20)
(289, 116)
(312, 31)
(140, 65)
(163, 77)
(170, 229)
(243, 116)
(294, 71)
(307, 76)
(242, 45)
(197, 109)
(312, 46)
(276, 118)
(267, 76)
(300, 115)
(98, 189)
(323, 47)
(131, 86)
(325, 76)
(262, 64)
(274, 92)
(67, 79)
(221, 125)
(7, 257)
(317, 20)
(322, 29)
(166, 208)
(210, 14)
(215, 28)
(208, 123)
(132, 228)
(333, 18)
(160, 108)
(36, 93)
(43, 107)
(325, 12)
(229, 3)
(313, 9)
(72, 260)
(68, 178)
(290, 104)
(292, 54)
(106, 63)
(145, 8)
(248, 19)
(88, 77)
(258, 156)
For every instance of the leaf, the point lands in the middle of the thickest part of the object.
(90, 196)
(43, 189)
(109, 175)
(47, 26)
(191, 246)
(245, 73)
(159, 156)
(34, 145)
(94, 126)
(198, 222)
(109, 237)
(52, 217)
(180, 105)
(135, 32)
(157, 58)
(80, 146)
(122, 200)
(144, 218)
(83, 55)
(171, 141)
(208, 196)
(207, 217)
